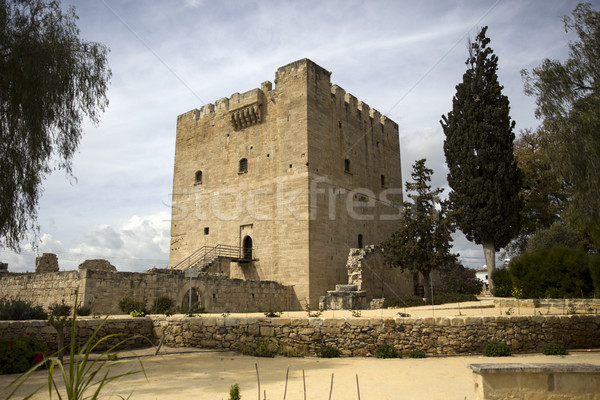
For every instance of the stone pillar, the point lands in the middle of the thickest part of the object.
(48, 262)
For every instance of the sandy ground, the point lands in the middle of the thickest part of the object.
(181, 373)
(201, 374)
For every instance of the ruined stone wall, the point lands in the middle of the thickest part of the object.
(103, 289)
(353, 336)
(42, 289)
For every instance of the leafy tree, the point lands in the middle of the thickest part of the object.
(545, 195)
(423, 242)
(483, 173)
(568, 102)
(557, 234)
(50, 80)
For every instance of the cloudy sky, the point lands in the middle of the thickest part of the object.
(403, 58)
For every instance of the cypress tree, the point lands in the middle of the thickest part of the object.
(483, 173)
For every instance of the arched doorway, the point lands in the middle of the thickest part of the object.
(247, 248)
(196, 301)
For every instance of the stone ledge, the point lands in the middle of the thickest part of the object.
(495, 368)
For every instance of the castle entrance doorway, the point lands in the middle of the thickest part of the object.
(247, 248)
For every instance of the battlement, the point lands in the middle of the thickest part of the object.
(247, 108)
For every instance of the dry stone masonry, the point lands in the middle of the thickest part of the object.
(353, 336)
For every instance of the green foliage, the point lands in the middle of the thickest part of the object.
(558, 272)
(558, 234)
(196, 308)
(20, 354)
(545, 196)
(458, 279)
(51, 82)
(554, 349)
(502, 283)
(272, 314)
(568, 103)
(84, 377)
(444, 298)
(497, 349)
(60, 309)
(84, 310)
(329, 352)
(234, 392)
(594, 264)
(483, 173)
(128, 305)
(263, 348)
(423, 242)
(405, 301)
(386, 351)
(18, 310)
(417, 353)
(163, 305)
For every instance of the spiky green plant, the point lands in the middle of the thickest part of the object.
(84, 377)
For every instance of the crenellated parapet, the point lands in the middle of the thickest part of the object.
(351, 104)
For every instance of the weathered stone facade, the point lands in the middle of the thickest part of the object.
(97, 265)
(103, 289)
(353, 336)
(48, 262)
(300, 173)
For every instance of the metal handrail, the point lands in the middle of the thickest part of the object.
(207, 254)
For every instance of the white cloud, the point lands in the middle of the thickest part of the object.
(403, 58)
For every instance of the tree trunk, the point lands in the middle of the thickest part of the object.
(489, 251)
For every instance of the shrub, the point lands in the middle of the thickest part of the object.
(558, 272)
(60, 309)
(84, 311)
(386, 351)
(264, 348)
(137, 314)
(234, 392)
(497, 349)
(163, 305)
(18, 310)
(417, 353)
(557, 234)
(20, 354)
(594, 265)
(196, 308)
(554, 349)
(272, 314)
(329, 352)
(128, 305)
(399, 302)
(458, 279)
(444, 298)
(502, 282)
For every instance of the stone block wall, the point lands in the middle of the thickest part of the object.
(103, 289)
(135, 332)
(358, 336)
(42, 289)
(353, 336)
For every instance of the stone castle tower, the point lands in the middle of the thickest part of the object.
(281, 182)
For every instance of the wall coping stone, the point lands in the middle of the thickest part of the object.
(494, 368)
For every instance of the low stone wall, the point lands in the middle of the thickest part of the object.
(135, 332)
(353, 336)
(358, 336)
